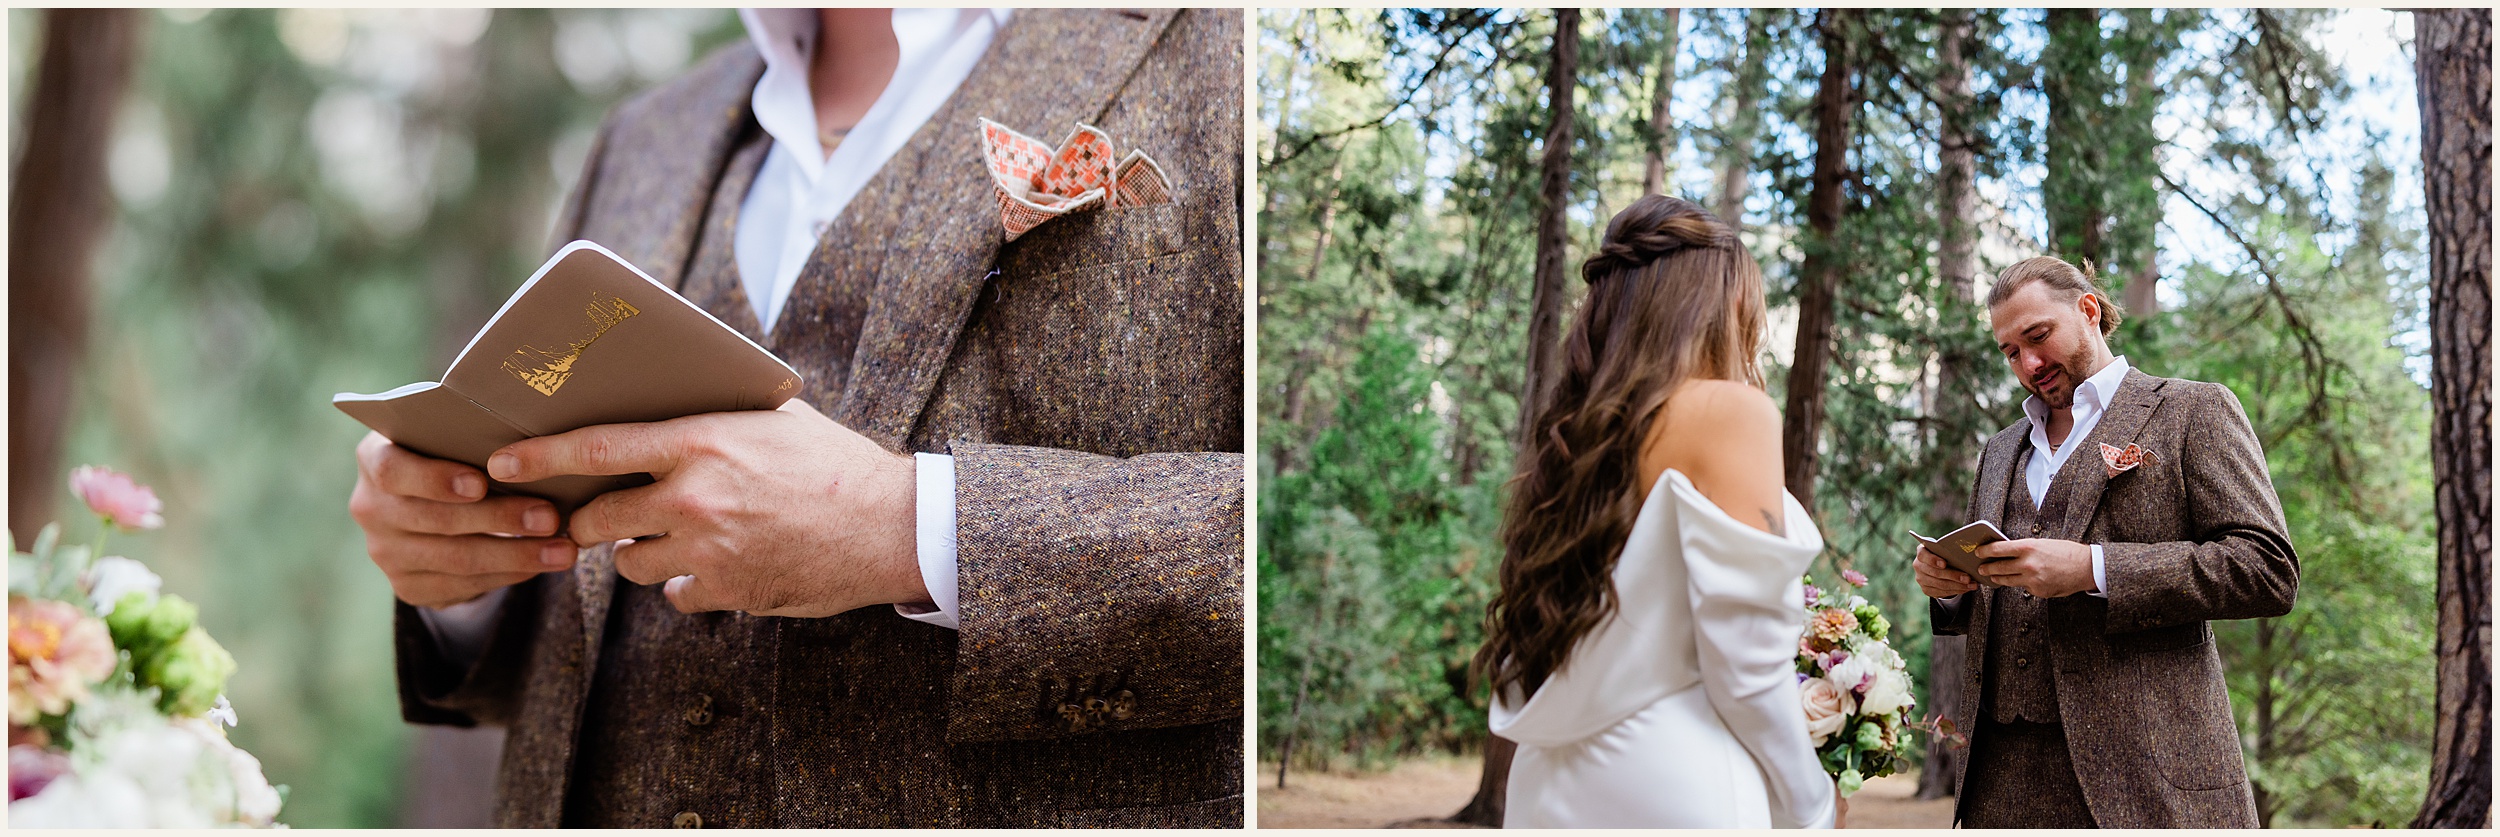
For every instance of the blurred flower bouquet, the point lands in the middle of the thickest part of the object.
(117, 708)
(1855, 687)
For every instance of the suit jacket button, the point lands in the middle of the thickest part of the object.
(2035, 529)
(699, 712)
(1123, 705)
(687, 819)
(2022, 661)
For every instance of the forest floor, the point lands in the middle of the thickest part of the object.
(1416, 792)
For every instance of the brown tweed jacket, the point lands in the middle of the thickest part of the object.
(1087, 379)
(2194, 535)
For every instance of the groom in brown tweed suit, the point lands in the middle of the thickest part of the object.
(2092, 689)
(1087, 380)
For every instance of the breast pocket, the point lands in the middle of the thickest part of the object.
(1109, 331)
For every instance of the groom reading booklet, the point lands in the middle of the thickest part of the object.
(2141, 511)
(587, 340)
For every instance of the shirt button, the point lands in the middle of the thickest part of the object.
(687, 819)
(699, 712)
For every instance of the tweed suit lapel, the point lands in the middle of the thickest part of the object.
(1997, 464)
(2085, 473)
(1048, 70)
(654, 205)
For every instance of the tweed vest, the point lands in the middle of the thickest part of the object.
(2019, 685)
(714, 744)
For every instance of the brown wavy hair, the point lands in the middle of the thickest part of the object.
(1672, 296)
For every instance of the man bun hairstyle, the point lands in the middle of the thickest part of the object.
(2070, 282)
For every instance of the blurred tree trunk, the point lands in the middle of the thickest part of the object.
(2131, 208)
(1819, 278)
(1544, 321)
(1957, 265)
(1654, 179)
(58, 208)
(2452, 50)
(1736, 148)
(2072, 79)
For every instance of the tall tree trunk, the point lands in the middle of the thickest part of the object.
(58, 208)
(2072, 78)
(1327, 218)
(2452, 49)
(1957, 268)
(1736, 148)
(1544, 323)
(1819, 278)
(1553, 193)
(1654, 179)
(2131, 211)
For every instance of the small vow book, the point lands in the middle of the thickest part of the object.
(1960, 547)
(587, 340)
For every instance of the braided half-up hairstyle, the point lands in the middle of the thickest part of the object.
(1672, 296)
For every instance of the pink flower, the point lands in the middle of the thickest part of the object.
(1827, 708)
(1813, 595)
(115, 497)
(55, 653)
(32, 768)
(1855, 578)
(1832, 624)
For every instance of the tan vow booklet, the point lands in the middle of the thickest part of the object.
(1960, 546)
(587, 340)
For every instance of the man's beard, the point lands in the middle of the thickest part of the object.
(2074, 369)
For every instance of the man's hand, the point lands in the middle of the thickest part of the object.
(436, 535)
(2040, 566)
(1938, 579)
(776, 513)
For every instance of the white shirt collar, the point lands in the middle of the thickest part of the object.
(787, 40)
(2091, 397)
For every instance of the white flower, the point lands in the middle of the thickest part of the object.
(223, 713)
(134, 768)
(113, 577)
(1854, 674)
(1891, 687)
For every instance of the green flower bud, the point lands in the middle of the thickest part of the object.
(142, 627)
(1870, 736)
(1877, 627)
(1850, 781)
(189, 674)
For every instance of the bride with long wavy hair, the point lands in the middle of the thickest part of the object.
(1640, 647)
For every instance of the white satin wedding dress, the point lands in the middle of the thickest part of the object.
(1681, 710)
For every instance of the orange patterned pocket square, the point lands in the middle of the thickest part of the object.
(1037, 182)
(2121, 460)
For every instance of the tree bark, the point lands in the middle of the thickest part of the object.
(2072, 79)
(1736, 152)
(1544, 322)
(58, 209)
(1957, 268)
(1819, 278)
(1553, 193)
(2452, 49)
(1654, 179)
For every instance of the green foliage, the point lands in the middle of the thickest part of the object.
(314, 201)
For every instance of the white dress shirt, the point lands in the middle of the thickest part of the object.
(2091, 401)
(796, 196)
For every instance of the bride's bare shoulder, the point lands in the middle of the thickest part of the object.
(1725, 437)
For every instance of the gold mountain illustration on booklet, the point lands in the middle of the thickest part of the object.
(589, 339)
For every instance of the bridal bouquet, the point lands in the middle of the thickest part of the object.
(117, 708)
(1855, 687)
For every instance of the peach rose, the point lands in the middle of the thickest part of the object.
(1827, 708)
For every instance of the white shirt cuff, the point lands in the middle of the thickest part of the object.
(2100, 577)
(936, 534)
(461, 630)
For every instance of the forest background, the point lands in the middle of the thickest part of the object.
(287, 204)
(2249, 182)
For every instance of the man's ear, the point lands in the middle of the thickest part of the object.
(2091, 306)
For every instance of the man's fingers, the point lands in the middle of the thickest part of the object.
(617, 515)
(394, 469)
(655, 560)
(445, 589)
(690, 595)
(604, 449)
(2001, 549)
(400, 554)
(506, 515)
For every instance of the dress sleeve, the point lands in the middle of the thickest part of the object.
(1742, 582)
